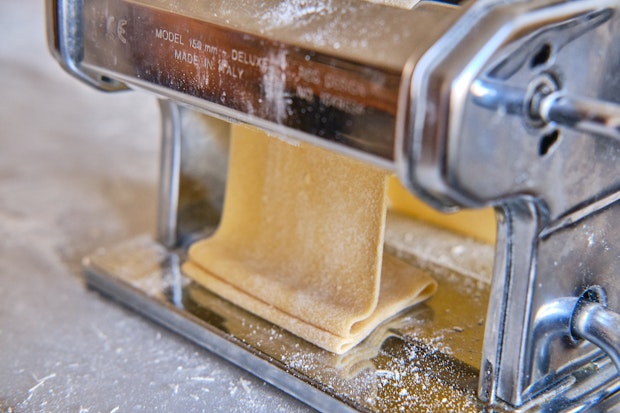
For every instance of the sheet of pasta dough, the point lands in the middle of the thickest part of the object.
(301, 243)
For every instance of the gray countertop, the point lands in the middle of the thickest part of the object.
(78, 170)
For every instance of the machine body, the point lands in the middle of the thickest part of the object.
(506, 104)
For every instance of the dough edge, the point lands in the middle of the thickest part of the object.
(425, 287)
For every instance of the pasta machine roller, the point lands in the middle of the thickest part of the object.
(510, 104)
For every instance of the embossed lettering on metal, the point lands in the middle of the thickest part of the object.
(327, 96)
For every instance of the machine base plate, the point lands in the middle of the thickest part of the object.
(421, 360)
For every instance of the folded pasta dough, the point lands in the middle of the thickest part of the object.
(300, 243)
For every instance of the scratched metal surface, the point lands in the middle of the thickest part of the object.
(78, 170)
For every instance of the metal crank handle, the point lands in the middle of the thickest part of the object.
(599, 325)
(582, 114)
(545, 105)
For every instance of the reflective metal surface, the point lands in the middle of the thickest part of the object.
(424, 359)
(546, 105)
(329, 74)
(471, 133)
(599, 325)
(65, 40)
(170, 170)
(586, 115)
(446, 154)
(193, 169)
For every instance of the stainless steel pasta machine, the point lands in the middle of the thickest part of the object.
(511, 104)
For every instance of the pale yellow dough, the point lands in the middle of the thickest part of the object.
(301, 243)
(476, 223)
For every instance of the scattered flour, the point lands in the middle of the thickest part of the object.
(274, 82)
(289, 12)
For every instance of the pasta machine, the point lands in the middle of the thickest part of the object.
(509, 104)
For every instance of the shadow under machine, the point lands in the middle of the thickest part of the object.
(513, 105)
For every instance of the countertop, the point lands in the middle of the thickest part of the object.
(78, 170)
